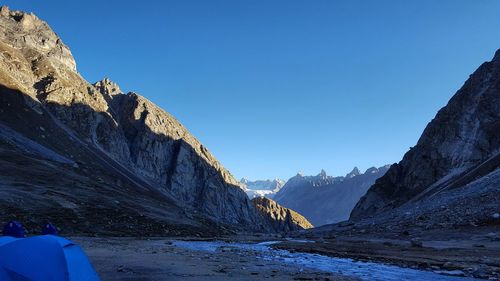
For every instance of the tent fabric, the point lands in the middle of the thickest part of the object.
(7, 275)
(14, 229)
(7, 239)
(44, 258)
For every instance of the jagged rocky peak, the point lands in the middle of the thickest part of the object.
(316, 181)
(274, 184)
(327, 199)
(278, 217)
(298, 177)
(107, 87)
(26, 31)
(4, 11)
(461, 138)
(355, 172)
(322, 174)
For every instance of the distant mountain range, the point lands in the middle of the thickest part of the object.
(262, 188)
(324, 199)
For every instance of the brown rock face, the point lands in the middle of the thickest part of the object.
(278, 217)
(461, 144)
(142, 144)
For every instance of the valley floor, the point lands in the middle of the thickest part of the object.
(474, 255)
(159, 259)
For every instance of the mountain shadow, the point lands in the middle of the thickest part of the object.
(49, 173)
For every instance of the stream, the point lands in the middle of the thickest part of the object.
(363, 270)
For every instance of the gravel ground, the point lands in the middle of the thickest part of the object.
(157, 259)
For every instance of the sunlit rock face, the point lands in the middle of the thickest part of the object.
(138, 136)
(461, 144)
(278, 217)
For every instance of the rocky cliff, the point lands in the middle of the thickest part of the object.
(278, 217)
(104, 130)
(324, 199)
(460, 145)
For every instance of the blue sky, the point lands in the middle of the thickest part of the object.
(276, 87)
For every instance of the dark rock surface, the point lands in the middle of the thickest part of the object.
(461, 144)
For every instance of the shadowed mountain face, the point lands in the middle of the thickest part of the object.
(323, 199)
(76, 152)
(460, 145)
(48, 174)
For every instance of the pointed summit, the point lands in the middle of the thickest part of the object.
(355, 172)
(4, 11)
(108, 87)
(322, 173)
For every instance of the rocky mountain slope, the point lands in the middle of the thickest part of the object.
(278, 217)
(323, 199)
(94, 159)
(262, 188)
(460, 145)
(439, 207)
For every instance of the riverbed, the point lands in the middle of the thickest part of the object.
(127, 259)
(344, 266)
(156, 259)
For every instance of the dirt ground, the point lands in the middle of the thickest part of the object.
(156, 259)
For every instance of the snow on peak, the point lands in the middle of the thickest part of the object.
(355, 172)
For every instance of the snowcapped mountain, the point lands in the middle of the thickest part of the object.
(324, 199)
(262, 188)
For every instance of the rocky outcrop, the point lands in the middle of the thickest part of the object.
(324, 199)
(278, 217)
(461, 144)
(147, 146)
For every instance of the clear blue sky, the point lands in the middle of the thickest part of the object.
(274, 87)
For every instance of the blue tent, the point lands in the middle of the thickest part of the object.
(49, 228)
(43, 258)
(14, 229)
